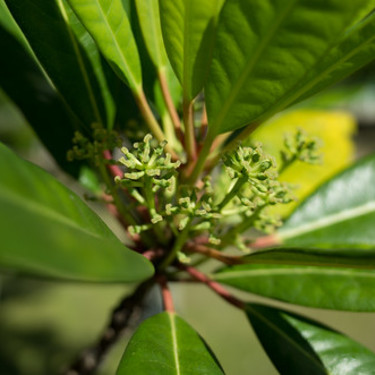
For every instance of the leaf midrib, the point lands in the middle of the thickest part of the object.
(250, 67)
(30, 205)
(305, 270)
(174, 342)
(329, 220)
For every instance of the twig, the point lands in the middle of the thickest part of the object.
(123, 316)
(153, 254)
(151, 122)
(217, 288)
(213, 253)
(166, 294)
(266, 241)
(114, 169)
(190, 142)
(170, 106)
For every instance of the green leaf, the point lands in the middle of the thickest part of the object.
(340, 214)
(47, 230)
(67, 66)
(189, 34)
(297, 345)
(329, 285)
(149, 19)
(37, 100)
(358, 259)
(166, 345)
(264, 49)
(99, 65)
(108, 23)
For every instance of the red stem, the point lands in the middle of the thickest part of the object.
(217, 288)
(114, 169)
(266, 241)
(166, 294)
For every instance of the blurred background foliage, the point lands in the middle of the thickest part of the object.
(44, 324)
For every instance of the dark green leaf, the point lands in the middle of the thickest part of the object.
(47, 230)
(264, 49)
(108, 23)
(99, 65)
(189, 35)
(45, 25)
(37, 100)
(362, 259)
(297, 345)
(353, 52)
(166, 345)
(340, 214)
(339, 288)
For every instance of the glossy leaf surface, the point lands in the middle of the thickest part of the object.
(264, 50)
(108, 23)
(297, 345)
(340, 214)
(329, 285)
(38, 101)
(47, 230)
(166, 345)
(67, 66)
(189, 35)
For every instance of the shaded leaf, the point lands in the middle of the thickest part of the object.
(108, 23)
(297, 345)
(189, 35)
(38, 101)
(103, 72)
(47, 230)
(264, 50)
(166, 345)
(340, 214)
(67, 66)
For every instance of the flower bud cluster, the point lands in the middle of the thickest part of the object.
(301, 147)
(92, 149)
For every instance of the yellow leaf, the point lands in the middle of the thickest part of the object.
(335, 130)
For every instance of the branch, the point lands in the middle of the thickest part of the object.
(217, 288)
(114, 169)
(123, 316)
(166, 294)
(170, 106)
(190, 142)
(213, 253)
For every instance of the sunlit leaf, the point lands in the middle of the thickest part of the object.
(108, 23)
(340, 214)
(265, 50)
(333, 129)
(189, 36)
